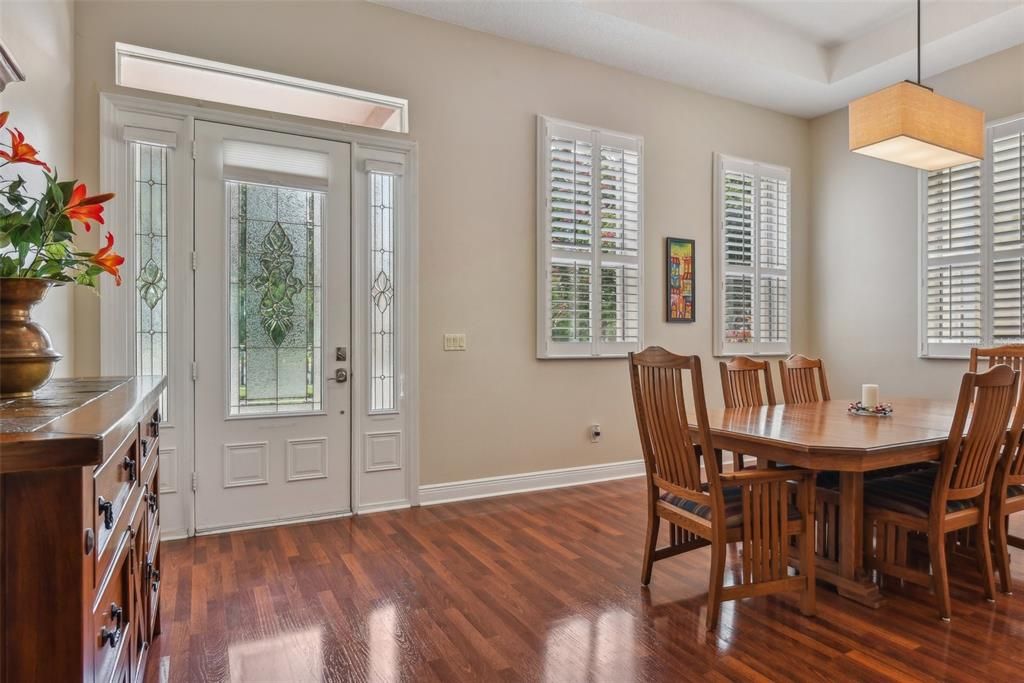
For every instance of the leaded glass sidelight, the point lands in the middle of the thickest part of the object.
(275, 299)
(149, 188)
(383, 394)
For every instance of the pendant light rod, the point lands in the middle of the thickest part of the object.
(919, 42)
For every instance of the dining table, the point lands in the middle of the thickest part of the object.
(825, 437)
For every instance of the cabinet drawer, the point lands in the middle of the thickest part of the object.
(149, 438)
(110, 630)
(151, 500)
(115, 491)
(153, 583)
(140, 623)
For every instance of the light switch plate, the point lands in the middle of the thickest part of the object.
(454, 342)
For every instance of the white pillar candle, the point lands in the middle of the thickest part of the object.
(869, 395)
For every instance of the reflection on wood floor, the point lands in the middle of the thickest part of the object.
(535, 587)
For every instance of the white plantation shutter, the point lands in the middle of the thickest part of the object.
(589, 241)
(752, 257)
(973, 249)
(1006, 200)
(953, 249)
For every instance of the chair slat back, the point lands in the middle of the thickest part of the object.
(969, 458)
(657, 379)
(1013, 450)
(1009, 354)
(741, 382)
(803, 380)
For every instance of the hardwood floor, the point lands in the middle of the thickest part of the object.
(536, 587)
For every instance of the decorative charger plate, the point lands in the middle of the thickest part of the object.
(881, 410)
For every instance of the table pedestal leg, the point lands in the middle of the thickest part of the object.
(852, 581)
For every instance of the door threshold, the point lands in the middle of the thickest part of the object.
(272, 522)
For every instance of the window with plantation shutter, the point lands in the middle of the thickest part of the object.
(752, 304)
(589, 241)
(953, 273)
(972, 249)
(1006, 200)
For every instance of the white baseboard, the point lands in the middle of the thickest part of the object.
(173, 534)
(432, 494)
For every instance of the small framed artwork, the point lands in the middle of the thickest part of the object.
(679, 280)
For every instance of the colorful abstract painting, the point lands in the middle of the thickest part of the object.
(679, 280)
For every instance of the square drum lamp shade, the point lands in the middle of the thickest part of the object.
(909, 124)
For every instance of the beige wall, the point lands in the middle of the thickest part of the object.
(864, 246)
(40, 35)
(494, 409)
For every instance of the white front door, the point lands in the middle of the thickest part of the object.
(272, 326)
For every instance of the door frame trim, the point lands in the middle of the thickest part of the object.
(118, 310)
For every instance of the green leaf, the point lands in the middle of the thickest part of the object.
(8, 266)
(12, 220)
(54, 192)
(66, 188)
(87, 279)
(57, 251)
(50, 269)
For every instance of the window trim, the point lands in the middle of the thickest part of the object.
(757, 348)
(986, 255)
(595, 348)
(315, 94)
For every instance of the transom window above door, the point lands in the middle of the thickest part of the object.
(204, 79)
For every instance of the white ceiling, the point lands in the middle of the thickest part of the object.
(801, 57)
(830, 22)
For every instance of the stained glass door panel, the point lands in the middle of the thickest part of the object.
(275, 299)
(272, 298)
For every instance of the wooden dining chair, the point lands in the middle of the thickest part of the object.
(1008, 354)
(742, 386)
(799, 384)
(946, 498)
(750, 507)
(1008, 481)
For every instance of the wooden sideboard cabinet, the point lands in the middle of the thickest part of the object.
(80, 518)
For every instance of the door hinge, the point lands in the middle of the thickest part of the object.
(195, 260)
(195, 481)
(194, 153)
(195, 371)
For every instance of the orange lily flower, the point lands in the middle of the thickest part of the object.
(85, 209)
(21, 151)
(109, 260)
(3, 118)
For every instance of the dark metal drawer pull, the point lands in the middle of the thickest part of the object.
(107, 510)
(129, 464)
(112, 638)
(155, 574)
(152, 500)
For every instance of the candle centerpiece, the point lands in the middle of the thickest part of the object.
(869, 403)
(869, 395)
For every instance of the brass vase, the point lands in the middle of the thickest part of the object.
(27, 357)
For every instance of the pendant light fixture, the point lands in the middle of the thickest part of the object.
(909, 124)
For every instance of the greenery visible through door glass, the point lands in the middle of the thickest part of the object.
(275, 299)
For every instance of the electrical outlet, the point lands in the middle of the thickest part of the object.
(454, 342)
(595, 433)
